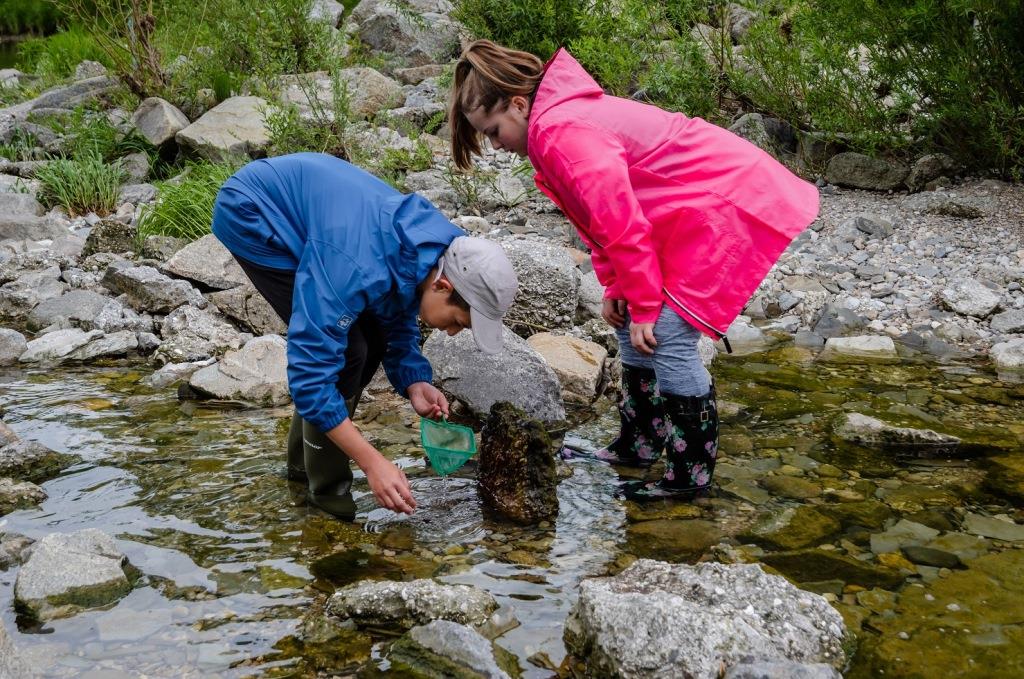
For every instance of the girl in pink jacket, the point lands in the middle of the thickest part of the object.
(683, 218)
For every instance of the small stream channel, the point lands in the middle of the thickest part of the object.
(234, 566)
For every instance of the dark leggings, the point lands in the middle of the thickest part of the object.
(365, 337)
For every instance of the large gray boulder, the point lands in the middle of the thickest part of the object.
(116, 316)
(369, 92)
(20, 296)
(71, 572)
(970, 297)
(146, 289)
(234, 129)
(518, 375)
(664, 620)
(191, 334)
(1011, 321)
(863, 172)
(256, 373)
(428, 38)
(870, 431)
(75, 308)
(115, 344)
(174, 372)
(247, 306)
(407, 604)
(16, 206)
(208, 262)
(549, 284)
(12, 346)
(431, 650)
(70, 96)
(327, 11)
(55, 347)
(30, 228)
(782, 669)
(158, 121)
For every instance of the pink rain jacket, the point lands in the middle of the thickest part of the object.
(675, 210)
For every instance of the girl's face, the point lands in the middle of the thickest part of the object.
(504, 128)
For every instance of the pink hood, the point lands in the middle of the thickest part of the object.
(675, 210)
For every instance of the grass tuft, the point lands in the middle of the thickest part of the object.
(184, 207)
(81, 185)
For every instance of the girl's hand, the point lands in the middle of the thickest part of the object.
(641, 336)
(614, 312)
(427, 400)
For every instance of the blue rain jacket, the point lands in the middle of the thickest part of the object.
(355, 244)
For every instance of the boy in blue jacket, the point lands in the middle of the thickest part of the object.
(348, 262)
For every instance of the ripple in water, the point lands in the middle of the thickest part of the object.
(447, 511)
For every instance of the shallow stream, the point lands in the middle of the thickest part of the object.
(235, 567)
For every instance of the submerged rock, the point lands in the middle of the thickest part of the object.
(407, 604)
(517, 476)
(815, 565)
(792, 528)
(12, 663)
(19, 495)
(872, 432)
(661, 620)
(672, 539)
(871, 347)
(1006, 476)
(71, 572)
(447, 649)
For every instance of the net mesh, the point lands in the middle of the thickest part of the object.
(448, 446)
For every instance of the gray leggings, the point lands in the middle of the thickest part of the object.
(675, 362)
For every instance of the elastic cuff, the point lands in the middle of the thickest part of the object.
(329, 423)
(411, 379)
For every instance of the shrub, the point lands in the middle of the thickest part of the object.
(323, 131)
(22, 146)
(27, 16)
(184, 209)
(80, 185)
(88, 133)
(935, 74)
(56, 56)
(537, 26)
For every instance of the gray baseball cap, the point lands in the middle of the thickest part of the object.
(479, 270)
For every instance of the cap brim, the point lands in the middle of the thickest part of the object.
(487, 332)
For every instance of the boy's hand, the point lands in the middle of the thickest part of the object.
(390, 487)
(641, 336)
(427, 400)
(614, 312)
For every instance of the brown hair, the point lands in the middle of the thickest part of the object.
(487, 75)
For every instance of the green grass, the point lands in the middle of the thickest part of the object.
(27, 16)
(56, 56)
(184, 209)
(81, 185)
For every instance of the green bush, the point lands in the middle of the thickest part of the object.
(57, 55)
(537, 26)
(27, 16)
(323, 131)
(80, 186)
(22, 146)
(89, 133)
(184, 208)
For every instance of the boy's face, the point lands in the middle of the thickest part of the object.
(506, 127)
(436, 311)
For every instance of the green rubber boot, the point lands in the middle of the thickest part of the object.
(328, 470)
(296, 462)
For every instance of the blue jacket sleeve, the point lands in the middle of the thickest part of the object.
(404, 363)
(318, 333)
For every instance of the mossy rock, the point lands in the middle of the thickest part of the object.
(869, 513)
(673, 540)
(792, 487)
(814, 565)
(969, 625)
(1006, 477)
(792, 528)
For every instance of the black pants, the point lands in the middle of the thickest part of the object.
(365, 337)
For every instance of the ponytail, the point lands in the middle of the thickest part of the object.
(487, 75)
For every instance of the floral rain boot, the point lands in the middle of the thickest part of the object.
(643, 427)
(691, 449)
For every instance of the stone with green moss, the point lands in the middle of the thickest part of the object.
(811, 565)
(792, 528)
(673, 540)
(1006, 476)
(868, 513)
(791, 487)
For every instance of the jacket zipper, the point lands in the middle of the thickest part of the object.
(719, 333)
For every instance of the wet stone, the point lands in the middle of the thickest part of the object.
(32, 461)
(990, 527)
(903, 533)
(407, 604)
(517, 476)
(869, 513)
(928, 556)
(672, 540)
(792, 528)
(1006, 476)
(19, 495)
(446, 649)
(792, 487)
(913, 498)
(877, 600)
(815, 565)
